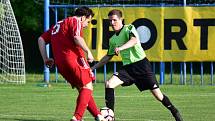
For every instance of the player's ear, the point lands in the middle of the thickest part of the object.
(121, 19)
(83, 18)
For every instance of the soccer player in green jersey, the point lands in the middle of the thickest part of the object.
(136, 67)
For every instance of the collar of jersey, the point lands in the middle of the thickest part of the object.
(117, 33)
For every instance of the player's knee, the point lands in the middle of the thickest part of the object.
(113, 82)
(108, 84)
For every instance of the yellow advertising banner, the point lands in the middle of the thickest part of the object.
(166, 33)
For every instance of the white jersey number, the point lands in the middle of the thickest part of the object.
(56, 28)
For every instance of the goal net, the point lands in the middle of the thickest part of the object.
(12, 66)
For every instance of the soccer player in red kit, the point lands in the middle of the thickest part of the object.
(68, 47)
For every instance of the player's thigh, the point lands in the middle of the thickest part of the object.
(76, 73)
(113, 82)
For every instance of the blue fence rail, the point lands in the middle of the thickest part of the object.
(162, 66)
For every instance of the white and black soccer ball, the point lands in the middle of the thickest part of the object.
(107, 113)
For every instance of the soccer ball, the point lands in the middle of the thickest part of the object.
(107, 113)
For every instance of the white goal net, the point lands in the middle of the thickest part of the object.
(12, 65)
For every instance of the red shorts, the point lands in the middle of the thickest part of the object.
(76, 71)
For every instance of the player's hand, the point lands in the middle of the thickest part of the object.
(49, 62)
(90, 57)
(117, 50)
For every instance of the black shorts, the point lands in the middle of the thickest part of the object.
(139, 73)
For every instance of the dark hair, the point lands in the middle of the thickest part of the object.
(84, 11)
(115, 12)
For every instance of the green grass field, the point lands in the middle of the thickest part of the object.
(31, 102)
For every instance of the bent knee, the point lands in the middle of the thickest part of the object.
(108, 84)
(113, 82)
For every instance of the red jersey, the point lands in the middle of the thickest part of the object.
(69, 57)
(61, 37)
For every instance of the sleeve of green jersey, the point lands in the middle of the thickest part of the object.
(132, 31)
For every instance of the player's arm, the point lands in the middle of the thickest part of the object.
(42, 48)
(49, 62)
(80, 41)
(133, 41)
(103, 61)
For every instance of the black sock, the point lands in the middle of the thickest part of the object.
(166, 102)
(109, 98)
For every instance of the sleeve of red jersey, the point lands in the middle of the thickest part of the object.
(47, 36)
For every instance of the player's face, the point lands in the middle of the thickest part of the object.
(115, 22)
(86, 21)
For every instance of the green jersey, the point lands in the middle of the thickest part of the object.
(132, 54)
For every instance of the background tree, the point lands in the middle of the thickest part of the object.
(29, 16)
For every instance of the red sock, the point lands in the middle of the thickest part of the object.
(92, 108)
(82, 101)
